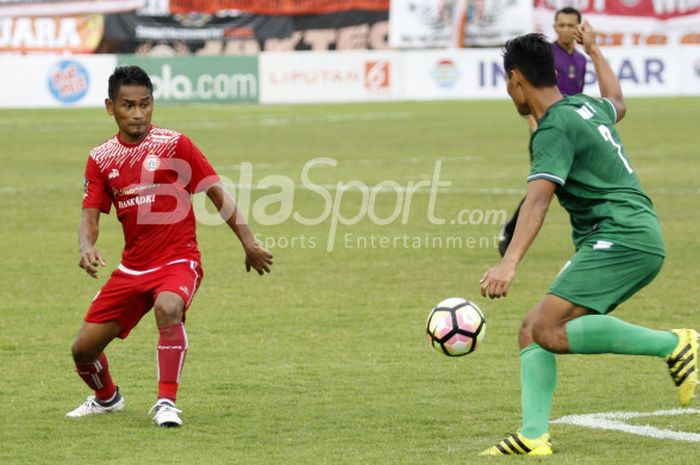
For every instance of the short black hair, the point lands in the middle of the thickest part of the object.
(532, 55)
(568, 10)
(128, 76)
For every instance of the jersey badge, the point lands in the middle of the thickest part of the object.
(152, 162)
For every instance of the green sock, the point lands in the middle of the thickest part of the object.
(603, 334)
(538, 376)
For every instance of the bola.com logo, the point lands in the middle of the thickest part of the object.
(68, 81)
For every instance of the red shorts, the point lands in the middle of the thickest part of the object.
(128, 295)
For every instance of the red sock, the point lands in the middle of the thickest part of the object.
(172, 347)
(96, 375)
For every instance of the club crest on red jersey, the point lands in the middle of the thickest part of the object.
(152, 162)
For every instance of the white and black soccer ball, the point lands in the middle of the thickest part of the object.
(456, 327)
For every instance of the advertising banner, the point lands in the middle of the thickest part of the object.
(488, 23)
(54, 81)
(244, 33)
(690, 69)
(479, 74)
(330, 77)
(630, 22)
(189, 79)
(425, 24)
(57, 34)
(277, 7)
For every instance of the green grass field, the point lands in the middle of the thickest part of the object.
(325, 360)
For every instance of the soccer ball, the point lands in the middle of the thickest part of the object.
(456, 327)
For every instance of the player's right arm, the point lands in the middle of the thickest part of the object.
(89, 230)
(607, 80)
(95, 201)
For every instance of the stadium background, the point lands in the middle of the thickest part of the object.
(239, 51)
(325, 359)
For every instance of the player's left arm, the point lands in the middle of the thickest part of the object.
(496, 280)
(256, 256)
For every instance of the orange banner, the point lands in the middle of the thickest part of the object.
(277, 7)
(53, 34)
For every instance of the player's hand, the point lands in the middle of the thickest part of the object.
(496, 281)
(89, 261)
(258, 258)
(586, 36)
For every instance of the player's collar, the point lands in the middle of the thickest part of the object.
(127, 144)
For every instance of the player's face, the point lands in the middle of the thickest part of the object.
(565, 26)
(132, 110)
(515, 90)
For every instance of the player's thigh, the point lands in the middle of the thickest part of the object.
(601, 279)
(121, 301)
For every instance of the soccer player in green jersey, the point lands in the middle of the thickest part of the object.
(577, 155)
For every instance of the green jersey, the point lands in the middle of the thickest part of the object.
(577, 147)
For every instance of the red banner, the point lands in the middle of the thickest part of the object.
(658, 9)
(630, 22)
(277, 7)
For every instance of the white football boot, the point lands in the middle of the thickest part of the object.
(167, 415)
(93, 407)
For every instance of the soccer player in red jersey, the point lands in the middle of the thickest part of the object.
(148, 173)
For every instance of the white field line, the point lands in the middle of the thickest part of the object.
(10, 190)
(225, 122)
(616, 421)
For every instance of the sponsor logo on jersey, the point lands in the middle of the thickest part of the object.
(113, 174)
(131, 190)
(152, 162)
(138, 200)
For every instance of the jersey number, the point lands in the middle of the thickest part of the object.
(607, 135)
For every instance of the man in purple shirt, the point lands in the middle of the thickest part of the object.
(570, 65)
(569, 62)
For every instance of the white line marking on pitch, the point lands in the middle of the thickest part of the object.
(615, 421)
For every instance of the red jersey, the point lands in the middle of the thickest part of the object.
(150, 184)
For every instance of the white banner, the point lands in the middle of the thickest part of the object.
(422, 24)
(329, 76)
(55, 81)
(453, 74)
(488, 23)
(690, 69)
(479, 74)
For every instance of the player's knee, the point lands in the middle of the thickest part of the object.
(548, 337)
(82, 353)
(525, 334)
(168, 312)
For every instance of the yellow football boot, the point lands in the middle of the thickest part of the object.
(683, 364)
(517, 444)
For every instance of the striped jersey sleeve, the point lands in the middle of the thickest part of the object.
(552, 156)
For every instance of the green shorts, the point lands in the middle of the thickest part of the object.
(601, 275)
